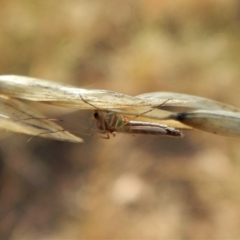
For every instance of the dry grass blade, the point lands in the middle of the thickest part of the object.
(202, 113)
(16, 116)
(224, 123)
(33, 89)
(186, 101)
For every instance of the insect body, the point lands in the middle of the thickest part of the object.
(110, 122)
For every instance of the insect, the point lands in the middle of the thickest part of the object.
(109, 122)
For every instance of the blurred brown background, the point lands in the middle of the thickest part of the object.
(126, 187)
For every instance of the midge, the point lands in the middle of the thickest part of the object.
(111, 123)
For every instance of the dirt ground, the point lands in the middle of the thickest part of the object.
(126, 187)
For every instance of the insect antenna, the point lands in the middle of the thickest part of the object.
(126, 120)
(153, 108)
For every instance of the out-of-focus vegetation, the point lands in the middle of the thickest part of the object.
(125, 187)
